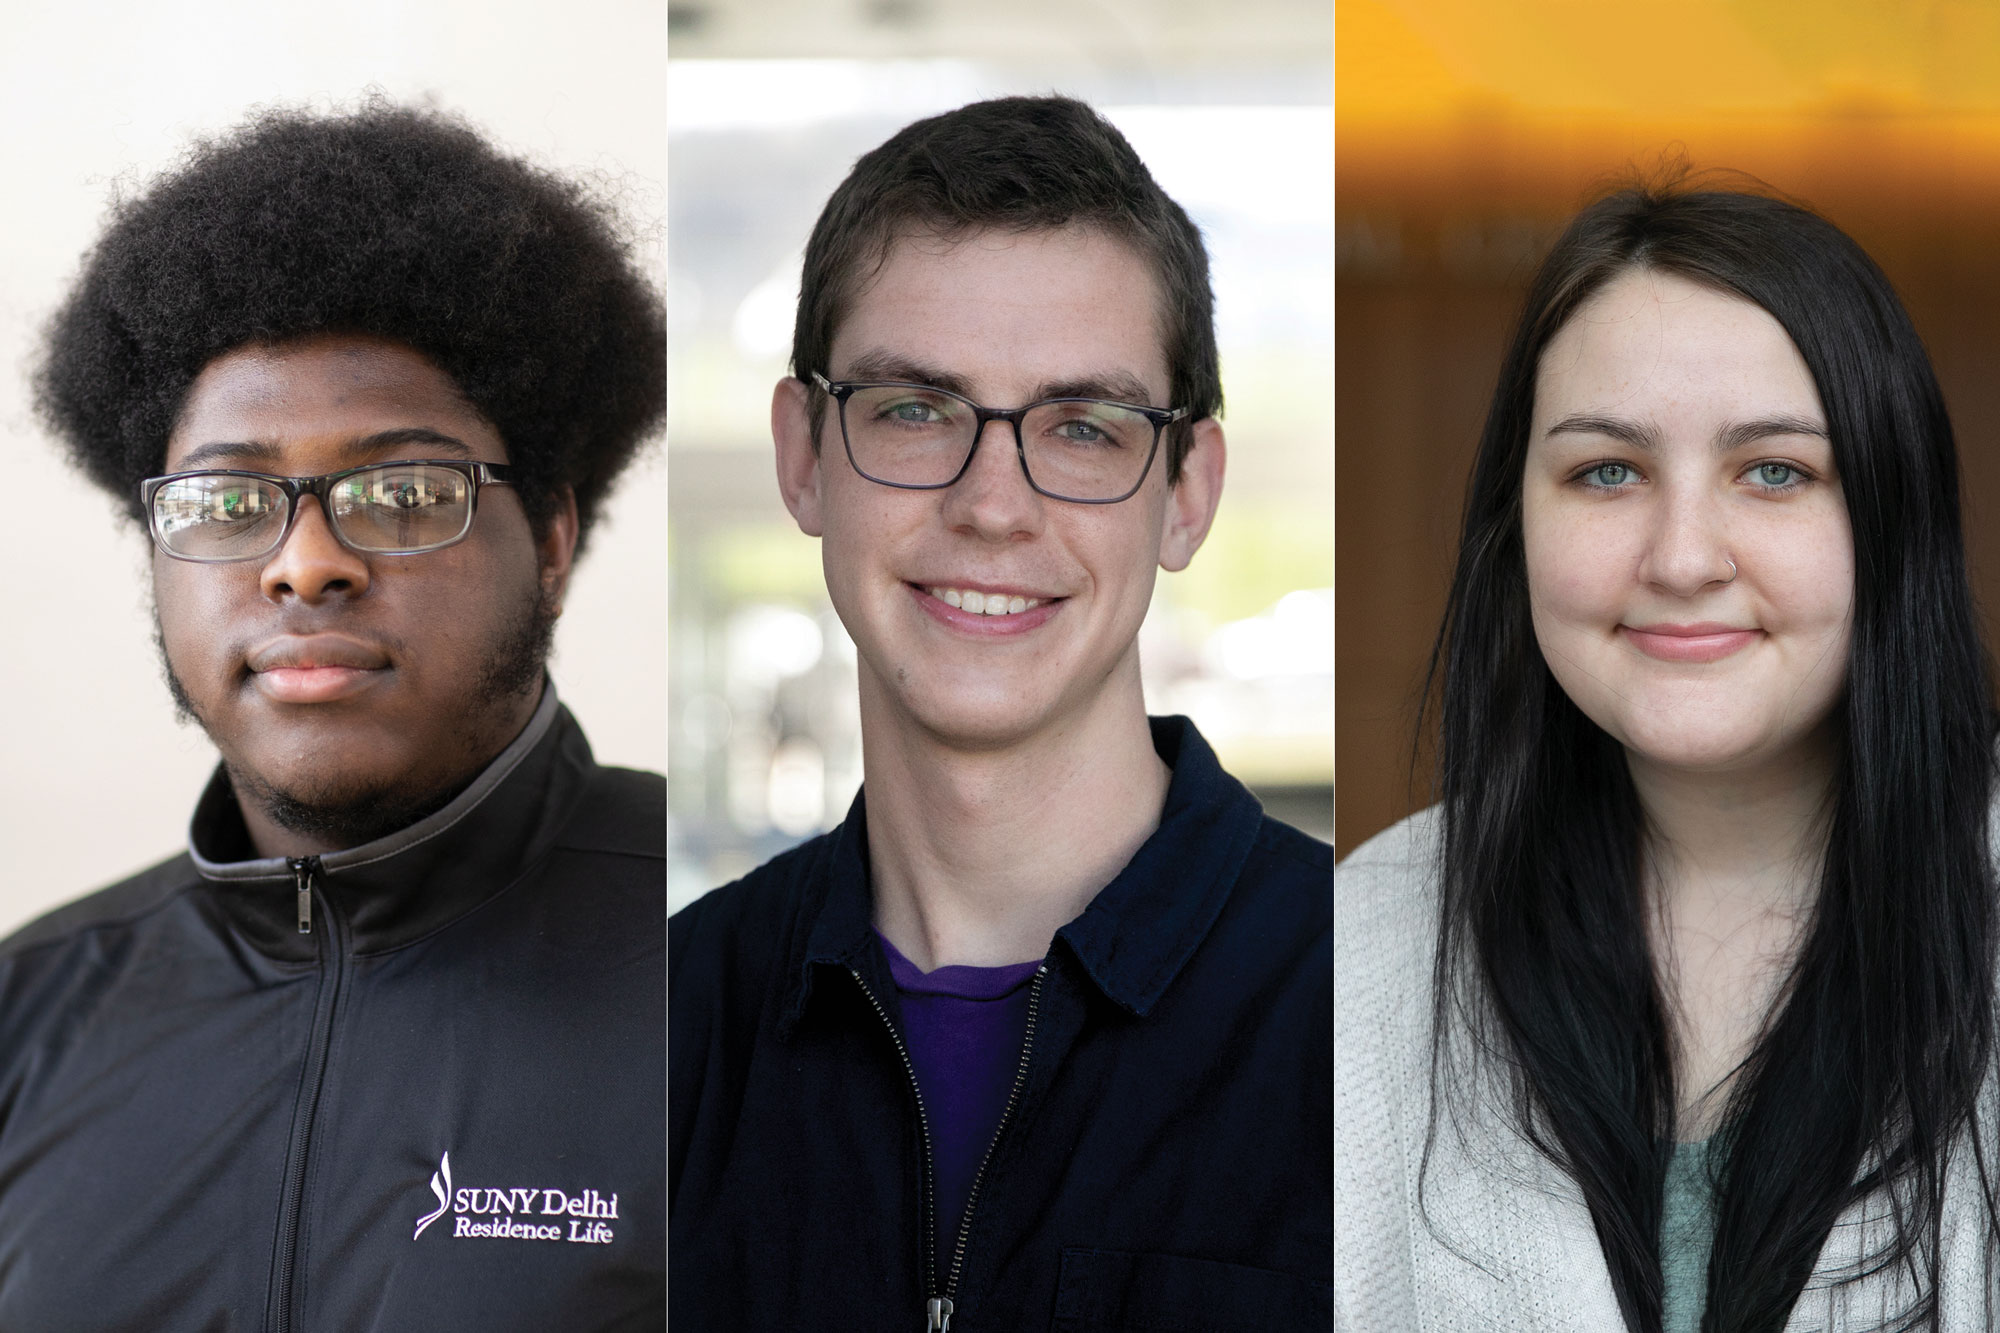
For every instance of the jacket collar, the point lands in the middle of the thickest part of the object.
(401, 887)
(1137, 933)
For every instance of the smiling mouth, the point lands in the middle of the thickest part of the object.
(985, 603)
(1690, 643)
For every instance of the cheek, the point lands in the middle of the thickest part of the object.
(1123, 556)
(1810, 583)
(1833, 584)
(186, 604)
(461, 609)
(1573, 570)
(860, 530)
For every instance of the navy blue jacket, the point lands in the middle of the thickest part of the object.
(1166, 1160)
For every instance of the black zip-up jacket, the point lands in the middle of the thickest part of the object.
(212, 1121)
(1165, 1161)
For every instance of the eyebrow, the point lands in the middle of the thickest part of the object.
(1641, 435)
(1749, 432)
(270, 453)
(1118, 386)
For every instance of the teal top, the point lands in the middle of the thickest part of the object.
(1687, 1231)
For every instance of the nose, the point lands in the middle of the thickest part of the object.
(312, 565)
(992, 498)
(1688, 549)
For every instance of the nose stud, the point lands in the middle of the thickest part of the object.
(1732, 572)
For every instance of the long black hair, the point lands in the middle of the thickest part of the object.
(1866, 1074)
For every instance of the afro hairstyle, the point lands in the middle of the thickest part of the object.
(390, 221)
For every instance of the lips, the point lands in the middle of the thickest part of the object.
(1706, 641)
(984, 609)
(315, 668)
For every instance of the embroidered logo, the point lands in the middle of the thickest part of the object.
(440, 1186)
(538, 1212)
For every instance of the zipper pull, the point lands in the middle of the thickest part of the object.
(304, 868)
(937, 1315)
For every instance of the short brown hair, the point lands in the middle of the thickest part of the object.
(1019, 164)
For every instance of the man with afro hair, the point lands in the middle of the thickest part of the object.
(382, 1048)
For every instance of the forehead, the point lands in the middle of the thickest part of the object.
(1656, 345)
(1008, 311)
(313, 402)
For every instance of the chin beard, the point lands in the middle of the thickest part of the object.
(338, 821)
(350, 818)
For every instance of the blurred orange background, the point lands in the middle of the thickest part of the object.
(1468, 133)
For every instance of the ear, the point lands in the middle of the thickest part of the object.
(798, 460)
(1191, 501)
(556, 550)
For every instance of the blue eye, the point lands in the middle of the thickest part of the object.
(1776, 475)
(1609, 476)
(911, 409)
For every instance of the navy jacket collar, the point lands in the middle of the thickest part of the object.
(1136, 934)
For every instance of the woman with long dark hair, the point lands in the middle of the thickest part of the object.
(1706, 904)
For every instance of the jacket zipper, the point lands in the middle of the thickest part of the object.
(938, 1309)
(332, 956)
(1006, 1114)
(304, 868)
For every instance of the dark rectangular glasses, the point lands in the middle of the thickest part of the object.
(919, 437)
(218, 515)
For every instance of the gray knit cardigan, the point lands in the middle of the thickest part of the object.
(1503, 1240)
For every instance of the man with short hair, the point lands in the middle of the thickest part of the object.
(1038, 1036)
(381, 1050)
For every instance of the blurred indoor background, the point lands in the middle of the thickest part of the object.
(1469, 132)
(96, 779)
(770, 102)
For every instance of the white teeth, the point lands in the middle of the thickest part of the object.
(984, 604)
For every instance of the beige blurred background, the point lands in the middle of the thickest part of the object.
(770, 103)
(1469, 133)
(96, 780)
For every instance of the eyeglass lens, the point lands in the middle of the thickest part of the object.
(1075, 448)
(395, 507)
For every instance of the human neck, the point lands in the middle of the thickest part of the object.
(978, 856)
(1731, 869)
(1757, 833)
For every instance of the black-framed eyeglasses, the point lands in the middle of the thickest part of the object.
(217, 515)
(920, 438)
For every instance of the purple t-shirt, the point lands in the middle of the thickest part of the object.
(964, 1027)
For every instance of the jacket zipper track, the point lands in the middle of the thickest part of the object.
(932, 1303)
(332, 956)
(938, 1308)
(1006, 1114)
